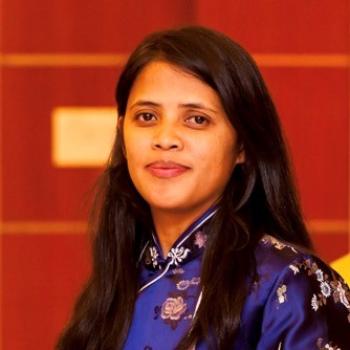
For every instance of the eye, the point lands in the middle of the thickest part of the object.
(145, 117)
(198, 120)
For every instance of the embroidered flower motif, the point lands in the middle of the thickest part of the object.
(200, 239)
(195, 280)
(330, 347)
(178, 271)
(281, 293)
(267, 239)
(330, 286)
(341, 294)
(173, 308)
(314, 302)
(325, 289)
(327, 346)
(319, 275)
(184, 284)
(178, 254)
(154, 255)
(294, 269)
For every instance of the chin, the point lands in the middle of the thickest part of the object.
(177, 206)
(167, 206)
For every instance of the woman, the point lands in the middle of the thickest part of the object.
(199, 238)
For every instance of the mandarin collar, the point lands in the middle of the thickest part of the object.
(187, 246)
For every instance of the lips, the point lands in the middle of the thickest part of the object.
(166, 169)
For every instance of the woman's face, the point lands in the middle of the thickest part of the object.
(179, 144)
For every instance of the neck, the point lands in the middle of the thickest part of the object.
(169, 225)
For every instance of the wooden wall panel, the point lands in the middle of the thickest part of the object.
(332, 245)
(44, 253)
(93, 26)
(34, 189)
(272, 26)
(42, 276)
(313, 106)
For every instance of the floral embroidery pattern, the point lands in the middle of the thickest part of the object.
(184, 284)
(330, 286)
(294, 269)
(178, 254)
(341, 294)
(327, 346)
(200, 239)
(173, 308)
(314, 302)
(174, 301)
(154, 256)
(178, 306)
(319, 275)
(177, 271)
(187, 249)
(282, 293)
(325, 289)
(267, 239)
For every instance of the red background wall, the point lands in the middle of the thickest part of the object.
(44, 251)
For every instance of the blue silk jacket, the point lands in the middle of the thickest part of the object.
(299, 303)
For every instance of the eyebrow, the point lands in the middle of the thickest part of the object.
(142, 103)
(194, 105)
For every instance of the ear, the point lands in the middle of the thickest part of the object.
(241, 156)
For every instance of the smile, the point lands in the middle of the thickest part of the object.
(163, 169)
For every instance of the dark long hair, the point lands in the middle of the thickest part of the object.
(259, 198)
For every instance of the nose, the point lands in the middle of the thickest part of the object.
(166, 137)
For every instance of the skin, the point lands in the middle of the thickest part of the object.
(180, 146)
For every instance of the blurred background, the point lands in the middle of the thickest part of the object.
(59, 61)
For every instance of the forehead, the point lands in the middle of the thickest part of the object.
(165, 81)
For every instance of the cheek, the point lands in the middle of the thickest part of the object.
(215, 157)
(134, 146)
(134, 160)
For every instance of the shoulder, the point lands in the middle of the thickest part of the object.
(274, 255)
(279, 262)
(300, 291)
